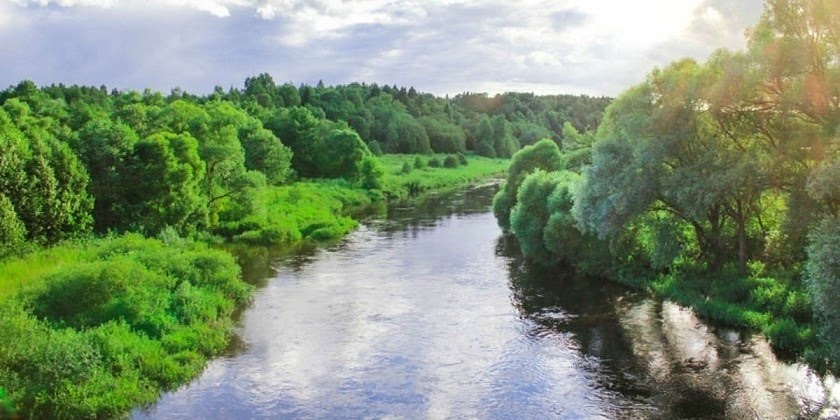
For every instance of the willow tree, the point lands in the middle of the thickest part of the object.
(659, 151)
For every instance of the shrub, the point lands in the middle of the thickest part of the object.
(124, 319)
(406, 168)
(451, 161)
(434, 162)
(463, 159)
(543, 155)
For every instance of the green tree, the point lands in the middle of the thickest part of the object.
(543, 155)
(104, 147)
(341, 154)
(529, 216)
(12, 230)
(265, 153)
(372, 173)
(169, 168)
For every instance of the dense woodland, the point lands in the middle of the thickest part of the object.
(109, 293)
(716, 184)
(72, 157)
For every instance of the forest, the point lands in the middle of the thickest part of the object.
(714, 184)
(115, 207)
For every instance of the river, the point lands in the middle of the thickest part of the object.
(430, 313)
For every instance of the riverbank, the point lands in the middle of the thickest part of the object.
(93, 327)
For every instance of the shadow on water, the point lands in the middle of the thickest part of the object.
(429, 312)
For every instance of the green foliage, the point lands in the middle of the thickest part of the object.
(529, 216)
(444, 137)
(265, 153)
(435, 162)
(341, 155)
(823, 279)
(485, 148)
(12, 231)
(44, 181)
(372, 173)
(124, 319)
(304, 210)
(375, 148)
(105, 147)
(462, 159)
(7, 409)
(169, 168)
(419, 162)
(397, 184)
(406, 168)
(451, 161)
(544, 155)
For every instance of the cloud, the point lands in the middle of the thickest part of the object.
(442, 46)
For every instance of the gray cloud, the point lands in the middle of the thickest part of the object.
(444, 46)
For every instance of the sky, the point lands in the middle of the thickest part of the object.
(594, 47)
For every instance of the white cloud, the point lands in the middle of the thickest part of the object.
(443, 46)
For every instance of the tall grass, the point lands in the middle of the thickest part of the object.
(402, 183)
(95, 328)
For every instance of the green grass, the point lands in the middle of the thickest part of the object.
(18, 273)
(98, 327)
(398, 184)
(322, 210)
(316, 210)
(779, 309)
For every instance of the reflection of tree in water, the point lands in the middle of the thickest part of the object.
(655, 354)
(581, 309)
(418, 214)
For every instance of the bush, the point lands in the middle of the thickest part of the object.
(543, 155)
(126, 319)
(372, 173)
(7, 409)
(419, 162)
(451, 161)
(486, 149)
(375, 148)
(406, 168)
(463, 159)
(434, 162)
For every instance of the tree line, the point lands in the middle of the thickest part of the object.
(76, 160)
(715, 183)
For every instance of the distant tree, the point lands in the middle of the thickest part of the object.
(265, 153)
(451, 161)
(341, 154)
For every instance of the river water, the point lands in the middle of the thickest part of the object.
(430, 313)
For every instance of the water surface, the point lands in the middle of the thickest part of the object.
(430, 313)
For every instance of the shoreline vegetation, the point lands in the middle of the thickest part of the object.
(716, 185)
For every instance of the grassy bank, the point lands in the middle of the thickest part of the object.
(408, 175)
(322, 210)
(778, 308)
(98, 327)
